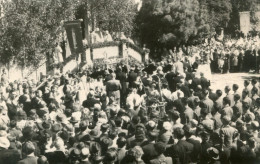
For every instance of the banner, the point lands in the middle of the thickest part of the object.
(74, 35)
(257, 14)
(245, 25)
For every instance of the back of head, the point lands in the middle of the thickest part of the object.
(28, 148)
(219, 93)
(237, 97)
(110, 155)
(121, 142)
(42, 160)
(160, 147)
(179, 133)
(226, 101)
(235, 87)
(246, 83)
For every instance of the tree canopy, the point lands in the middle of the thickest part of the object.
(173, 23)
(30, 28)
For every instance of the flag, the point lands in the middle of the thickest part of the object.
(74, 35)
(245, 25)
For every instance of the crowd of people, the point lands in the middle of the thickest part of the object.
(228, 55)
(158, 113)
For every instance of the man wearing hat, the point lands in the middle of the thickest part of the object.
(84, 156)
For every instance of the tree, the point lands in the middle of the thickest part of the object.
(171, 23)
(219, 11)
(111, 15)
(30, 28)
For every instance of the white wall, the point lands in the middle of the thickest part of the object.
(135, 54)
(105, 52)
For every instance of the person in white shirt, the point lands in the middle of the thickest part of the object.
(166, 93)
(107, 37)
(178, 93)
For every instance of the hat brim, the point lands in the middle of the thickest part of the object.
(215, 158)
(73, 121)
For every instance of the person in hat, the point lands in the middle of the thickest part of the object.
(74, 156)
(84, 156)
(213, 155)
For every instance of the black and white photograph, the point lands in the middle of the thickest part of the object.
(129, 81)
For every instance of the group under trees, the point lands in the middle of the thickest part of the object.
(177, 23)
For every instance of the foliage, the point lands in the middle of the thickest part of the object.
(111, 15)
(240, 6)
(219, 12)
(171, 23)
(30, 28)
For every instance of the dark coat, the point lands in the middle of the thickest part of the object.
(121, 76)
(204, 83)
(56, 157)
(149, 152)
(195, 82)
(195, 155)
(132, 76)
(170, 79)
(181, 152)
(90, 102)
(12, 110)
(9, 156)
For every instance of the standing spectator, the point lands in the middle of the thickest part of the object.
(28, 150)
(113, 88)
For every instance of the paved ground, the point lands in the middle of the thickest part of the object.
(219, 81)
